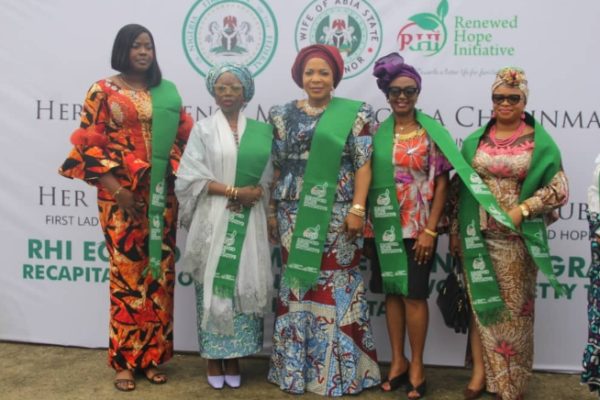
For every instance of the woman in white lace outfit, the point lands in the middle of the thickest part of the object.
(228, 328)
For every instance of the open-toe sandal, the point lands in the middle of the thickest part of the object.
(421, 389)
(124, 385)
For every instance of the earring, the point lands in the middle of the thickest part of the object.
(493, 114)
(523, 116)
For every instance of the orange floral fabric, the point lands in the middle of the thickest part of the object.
(115, 136)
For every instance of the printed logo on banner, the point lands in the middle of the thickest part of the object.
(216, 32)
(353, 27)
(427, 33)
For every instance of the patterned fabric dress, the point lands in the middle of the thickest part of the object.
(417, 162)
(116, 137)
(322, 340)
(591, 354)
(508, 346)
(246, 340)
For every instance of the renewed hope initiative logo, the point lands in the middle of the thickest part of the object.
(243, 32)
(350, 25)
(426, 33)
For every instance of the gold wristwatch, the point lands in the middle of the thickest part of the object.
(524, 211)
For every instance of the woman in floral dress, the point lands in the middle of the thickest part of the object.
(322, 339)
(511, 152)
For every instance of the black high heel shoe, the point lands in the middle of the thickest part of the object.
(421, 389)
(396, 382)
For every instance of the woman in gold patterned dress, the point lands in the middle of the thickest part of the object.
(506, 154)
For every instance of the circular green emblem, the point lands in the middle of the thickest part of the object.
(243, 32)
(352, 26)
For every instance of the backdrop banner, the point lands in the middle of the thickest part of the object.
(54, 277)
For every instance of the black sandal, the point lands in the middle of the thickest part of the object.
(421, 389)
(396, 382)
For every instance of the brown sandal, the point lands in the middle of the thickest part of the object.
(157, 378)
(124, 385)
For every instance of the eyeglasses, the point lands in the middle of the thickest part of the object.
(395, 91)
(222, 89)
(511, 98)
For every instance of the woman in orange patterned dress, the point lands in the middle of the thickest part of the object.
(112, 151)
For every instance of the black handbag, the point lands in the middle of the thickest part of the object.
(453, 301)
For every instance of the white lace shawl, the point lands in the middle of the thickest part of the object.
(211, 155)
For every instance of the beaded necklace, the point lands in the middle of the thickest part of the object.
(506, 142)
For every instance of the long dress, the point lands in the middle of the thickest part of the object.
(591, 355)
(226, 328)
(322, 339)
(508, 346)
(116, 137)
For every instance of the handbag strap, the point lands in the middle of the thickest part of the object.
(458, 270)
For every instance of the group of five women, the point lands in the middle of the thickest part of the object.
(323, 182)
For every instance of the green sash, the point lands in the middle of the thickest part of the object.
(166, 105)
(318, 192)
(385, 212)
(383, 203)
(485, 293)
(252, 158)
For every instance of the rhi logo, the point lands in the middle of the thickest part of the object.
(351, 26)
(426, 33)
(215, 32)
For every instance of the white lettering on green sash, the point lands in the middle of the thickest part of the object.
(237, 218)
(477, 184)
(384, 208)
(317, 198)
(472, 241)
(389, 244)
(158, 199)
(156, 231)
(229, 250)
(226, 277)
(305, 268)
(309, 242)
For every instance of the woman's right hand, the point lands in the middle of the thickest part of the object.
(273, 229)
(455, 249)
(248, 196)
(130, 203)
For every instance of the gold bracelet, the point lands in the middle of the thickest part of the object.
(235, 193)
(356, 212)
(359, 207)
(116, 192)
(525, 211)
(431, 233)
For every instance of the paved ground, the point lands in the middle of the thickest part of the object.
(52, 373)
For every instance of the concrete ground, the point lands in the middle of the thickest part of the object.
(31, 371)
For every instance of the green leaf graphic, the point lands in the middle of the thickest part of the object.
(426, 21)
(442, 9)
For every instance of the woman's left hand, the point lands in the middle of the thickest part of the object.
(516, 216)
(353, 226)
(424, 248)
